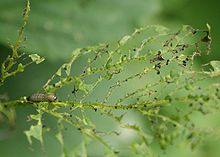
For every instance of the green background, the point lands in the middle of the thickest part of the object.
(55, 28)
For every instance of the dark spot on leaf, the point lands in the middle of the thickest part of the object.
(158, 72)
(190, 136)
(184, 63)
(194, 32)
(206, 39)
(116, 152)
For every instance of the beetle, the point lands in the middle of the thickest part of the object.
(41, 97)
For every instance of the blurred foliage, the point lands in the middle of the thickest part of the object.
(11, 65)
(56, 28)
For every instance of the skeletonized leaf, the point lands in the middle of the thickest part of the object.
(35, 131)
(59, 137)
(124, 40)
(215, 65)
(141, 149)
(161, 29)
(20, 67)
(36, 58)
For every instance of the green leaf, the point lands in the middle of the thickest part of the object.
(59, 72)
(59, 137)
(83, 86)
(81, 149)
(20, 67)
(67, 68)
(35, 131)
(8, 112)
(124, 40)
(215, 65)
(119, 118)
(161, 29)
(109, 62)
(36, 58)
(209, 27)
(141, 149)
